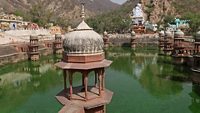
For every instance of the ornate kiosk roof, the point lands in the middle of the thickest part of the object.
(179, 33)
(161, 33)
(168, 33)
(83, 40)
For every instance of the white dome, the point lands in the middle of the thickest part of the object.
(133, 33)
(168, 33)
(179, 33)
(198, 35)
(162, 33)
(83, 40)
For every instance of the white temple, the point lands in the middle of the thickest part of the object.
(138, 15)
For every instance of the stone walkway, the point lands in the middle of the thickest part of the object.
(22, 35)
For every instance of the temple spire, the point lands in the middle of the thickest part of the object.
(83, 11)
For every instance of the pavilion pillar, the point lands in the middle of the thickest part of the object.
(96, 78)
(70, 87)
(85, 75)
(83, 81)
(65, 79)
(103, 79)
(100, 82)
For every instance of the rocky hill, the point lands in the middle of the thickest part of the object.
(66, 9)
(159, 11)
(62, 5)
(163, 11)
(156, 11)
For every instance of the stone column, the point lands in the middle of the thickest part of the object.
(85, 74)
(133, 40)
(100, 82)
(65, 80)
(106, 39)
(161, 40)
(71, 85)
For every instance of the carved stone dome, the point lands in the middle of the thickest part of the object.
(83, 40)
(198, 35)
(162, 33)
(179, 33)
(168, 33)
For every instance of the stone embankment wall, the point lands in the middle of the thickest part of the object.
(12, 54)
(125, 39)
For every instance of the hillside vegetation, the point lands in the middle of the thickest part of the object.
(189, 9)
(158, 11)
(114, 21)
(62, 12)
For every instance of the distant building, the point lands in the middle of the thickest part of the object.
(138, 19)
(138, 15)
(55, 30)
(10, 21)
(178, 24)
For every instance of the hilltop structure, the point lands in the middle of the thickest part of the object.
(178, 24)
(138, 19)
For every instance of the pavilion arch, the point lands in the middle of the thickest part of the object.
(99, 74)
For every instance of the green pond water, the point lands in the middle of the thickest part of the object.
(142, 82)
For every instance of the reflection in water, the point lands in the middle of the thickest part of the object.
(20, 82)
(142, 82)
(195, 99)
(156, 75)
(143, 66)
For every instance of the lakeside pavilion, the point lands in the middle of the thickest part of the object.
(83, 53)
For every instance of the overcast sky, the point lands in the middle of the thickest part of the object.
(119, 1)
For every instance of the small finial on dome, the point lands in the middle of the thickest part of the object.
(105, 33)
(82, 10)
(132, 33)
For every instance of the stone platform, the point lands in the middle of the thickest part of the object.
(77, 104)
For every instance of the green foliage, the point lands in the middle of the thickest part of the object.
(114, 21)
(189, 9)
(39, 14)
(168, 19)
(18, 13)
(194, 21)
(149, 9)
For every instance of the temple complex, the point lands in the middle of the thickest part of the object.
(196, 56)
(83, 53)
(138, 19)
(33, 53)
(168, 43)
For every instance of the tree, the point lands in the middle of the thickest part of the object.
(39, 14)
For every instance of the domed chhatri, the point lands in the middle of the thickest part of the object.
(162, 33)
(198, 35)
(105, 33)
(83, 44)
(179, 33)
(168, 33)
(83, 53)
(83, 40)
